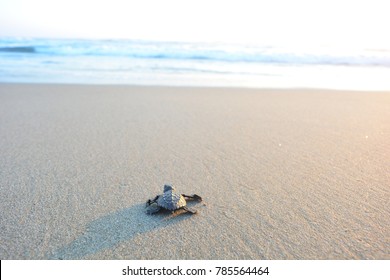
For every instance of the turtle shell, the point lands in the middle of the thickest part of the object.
(171, 200)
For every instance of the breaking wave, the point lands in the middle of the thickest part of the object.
(196, 52)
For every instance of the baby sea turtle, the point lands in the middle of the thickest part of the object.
(170, 200)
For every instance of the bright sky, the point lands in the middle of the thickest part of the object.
(344, 22)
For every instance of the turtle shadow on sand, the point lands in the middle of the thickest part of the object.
(110, 230)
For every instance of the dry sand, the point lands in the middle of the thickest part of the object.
(285, 174)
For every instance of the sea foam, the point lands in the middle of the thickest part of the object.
(183, 63)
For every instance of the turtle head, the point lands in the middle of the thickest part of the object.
(168, 188)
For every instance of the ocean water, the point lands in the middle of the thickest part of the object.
(192, 64)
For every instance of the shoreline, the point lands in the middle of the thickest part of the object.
(249, 88)
(296, 174)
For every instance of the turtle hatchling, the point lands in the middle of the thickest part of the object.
(171, 201)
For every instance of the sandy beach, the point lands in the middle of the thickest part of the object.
(284, 174)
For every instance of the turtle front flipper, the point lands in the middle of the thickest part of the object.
(149, 202)
(189, 210)
(192, 197)
(152, 208)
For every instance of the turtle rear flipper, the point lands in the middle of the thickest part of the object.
(189, 210)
